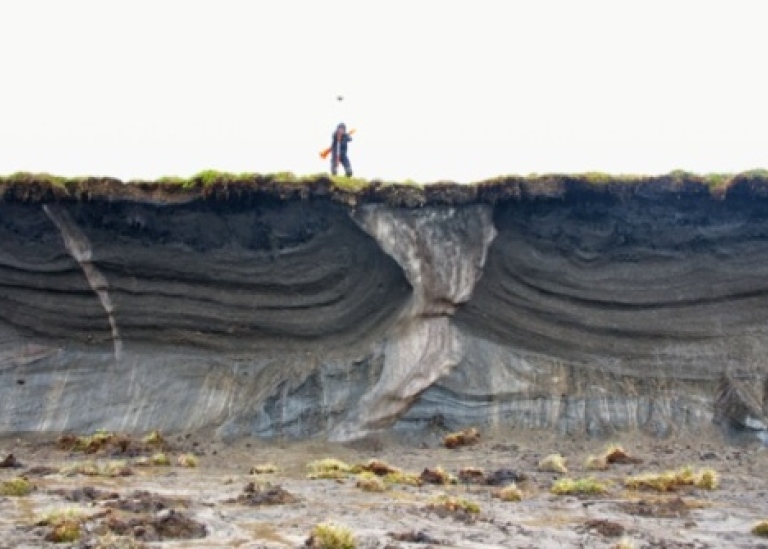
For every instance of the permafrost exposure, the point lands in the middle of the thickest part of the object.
(299, 309)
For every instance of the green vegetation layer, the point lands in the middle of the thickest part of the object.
(214, 185)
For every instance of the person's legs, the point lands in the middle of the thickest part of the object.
(347, 166)
(334, 164)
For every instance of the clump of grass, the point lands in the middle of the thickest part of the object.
(160, 459)
(761, 529)
(707, 479)
(29, 177)
(348, 183)
(327, 535)
(283, 177)
(596, 463)
(370, 482)
(553, 463)
(154, 438)
(187, 460)
(617, 454)
(669, 481)
(612, 454)
(113, 541)
(88, 444)
(328, 468)
(717, 179)
(597, 178)
(660, 482)
(57, 515)
(438, 475)
(65, 525)
(467, 437)
(16, 487)
(510, 492)
(173, 180)
(376, 466)
(264, 469)
(454, 503)
(65, 532)
(88, 468)
(624, 543)
(472, 475)
(113, 468)
(401, 477)
(211, 177)
(580, 486)
(685, 476)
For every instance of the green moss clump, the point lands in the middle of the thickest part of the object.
(370, 482)
(154, 438)
(349, 184)
(553, 463)
(328, 468)
(405, 478)
(264, 469)
(581, 486)
(187, 460)
(160, 459)
(331, 536)
(453, 503)
(65, 525)
(15, 487)
(112, 468)
(761, 529)
(669, 481)
(510, 493)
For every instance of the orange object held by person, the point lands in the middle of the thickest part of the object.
(324, 153)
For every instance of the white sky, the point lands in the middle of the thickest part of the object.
(437, 89)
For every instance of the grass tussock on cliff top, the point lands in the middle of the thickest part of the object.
(225, 186)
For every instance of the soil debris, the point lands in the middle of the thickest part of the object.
(255, 495)
(657, 508)
(41, 471)
(142, 501)
(10, 462)
(501, 477)
(472, 475)
(436, 476)
(168, 524)
(415, 537)
(109, 443)
(619, 455)
(85, 494)
(607, 528)
(467, 437)
(379, 468)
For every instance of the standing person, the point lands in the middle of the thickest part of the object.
(339, 150)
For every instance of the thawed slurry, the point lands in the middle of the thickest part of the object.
(283, 309)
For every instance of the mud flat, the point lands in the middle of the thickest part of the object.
(119, 492)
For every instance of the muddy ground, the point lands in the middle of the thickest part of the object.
(118, 500)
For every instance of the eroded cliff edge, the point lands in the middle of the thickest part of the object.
(268, 308)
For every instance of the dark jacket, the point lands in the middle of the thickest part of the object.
(339, 146)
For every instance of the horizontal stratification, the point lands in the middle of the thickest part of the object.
(226, 276)
(648, 284)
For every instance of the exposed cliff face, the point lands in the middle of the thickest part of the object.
(298, 313)
(442, 252)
